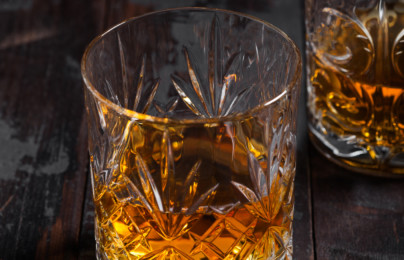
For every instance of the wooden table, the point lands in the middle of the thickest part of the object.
(46, 210)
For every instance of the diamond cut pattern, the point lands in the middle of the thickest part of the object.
(236, 238)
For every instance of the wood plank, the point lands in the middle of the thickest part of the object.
(43, 166)
(356, 216)
(286, 14)
(87, 239)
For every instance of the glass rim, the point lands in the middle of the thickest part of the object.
(200, 120)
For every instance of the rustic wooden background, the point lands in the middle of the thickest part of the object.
(46, 210)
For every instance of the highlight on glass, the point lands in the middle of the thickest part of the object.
(192, 136)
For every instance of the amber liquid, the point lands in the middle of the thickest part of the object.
(192, 194)
(356, 72)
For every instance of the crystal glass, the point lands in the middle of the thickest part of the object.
(355, 66)
(192, 136)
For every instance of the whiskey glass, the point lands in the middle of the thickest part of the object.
(355, 68)
(192, 136)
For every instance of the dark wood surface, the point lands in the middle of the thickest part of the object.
(46, 210)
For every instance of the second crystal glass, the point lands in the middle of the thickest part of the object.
(192, 136)
(356, 83)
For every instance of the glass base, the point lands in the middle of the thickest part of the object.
(348, 153)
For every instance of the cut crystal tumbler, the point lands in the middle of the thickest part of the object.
(192, 136)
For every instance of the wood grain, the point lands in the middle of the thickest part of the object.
(43, 166)
(356, 216)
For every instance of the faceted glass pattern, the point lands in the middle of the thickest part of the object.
(192, 136)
